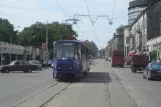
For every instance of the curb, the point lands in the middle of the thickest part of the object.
(128, 91)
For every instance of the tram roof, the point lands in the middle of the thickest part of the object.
(68, 41)
(72, 41)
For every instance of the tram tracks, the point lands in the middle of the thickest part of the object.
(56, 88)
(28, 101)
(49, 100)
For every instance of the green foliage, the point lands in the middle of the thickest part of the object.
(35, 35)
(7, 33)
(93, 47)
(102, 52)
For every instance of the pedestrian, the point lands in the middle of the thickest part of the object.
(158, 60)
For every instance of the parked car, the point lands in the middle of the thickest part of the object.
(36, 63)
(153, 70)
(18, 65)
(47, 63)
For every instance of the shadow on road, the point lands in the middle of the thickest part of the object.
(126, 66)
(155, 79)
(96, 77)
(139, 72)
(25, 73)
(91, 77)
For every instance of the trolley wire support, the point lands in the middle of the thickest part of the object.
(83, 16)
(110, 22)
(73, 20)
(94, 22)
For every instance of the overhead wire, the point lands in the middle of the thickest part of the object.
(18, 19)
(113, 9)
(29, 9)
(91, 19)
(88, 11)
(64, 11)
(62, 8)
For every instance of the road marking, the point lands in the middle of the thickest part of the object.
(107, 90)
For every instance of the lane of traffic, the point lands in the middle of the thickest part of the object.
(18, 86)
(146, 93)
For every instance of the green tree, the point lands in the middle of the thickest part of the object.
(35, 35)
(7, 33)
(93, 47)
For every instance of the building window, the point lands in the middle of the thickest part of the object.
(127, 40)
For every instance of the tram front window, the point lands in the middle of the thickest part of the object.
(64, 51)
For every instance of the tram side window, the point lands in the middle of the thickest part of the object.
(84, 53)
(88, 55)
(78, 51)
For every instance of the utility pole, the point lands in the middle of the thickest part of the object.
(10, 44)
(47, 43)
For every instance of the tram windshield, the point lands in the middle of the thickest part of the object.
(64, 51)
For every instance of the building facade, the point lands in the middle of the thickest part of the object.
(136, 7)
(146, 29)
(118, 39)
(138, 32)
(11, 52)
(126, 41)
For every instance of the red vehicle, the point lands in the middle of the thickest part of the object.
(138, 62)
(117, 58)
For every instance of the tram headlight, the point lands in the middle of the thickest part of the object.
(59, 68)
(71, 68)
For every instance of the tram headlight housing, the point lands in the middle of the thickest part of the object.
(59, 68)
(71, 68)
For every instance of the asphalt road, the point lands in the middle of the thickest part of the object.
(17, 86)
(146, 93)
(104, 86)
(99, 88)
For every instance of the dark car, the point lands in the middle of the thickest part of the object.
(18, 65)
(153, 70)
(36, 63)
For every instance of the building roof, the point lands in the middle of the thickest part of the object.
(137, 18)
(120, 27)
(141, 3)
(141, 14)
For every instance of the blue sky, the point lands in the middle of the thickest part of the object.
(26, 12)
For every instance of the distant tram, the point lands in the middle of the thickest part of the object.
(71, 57)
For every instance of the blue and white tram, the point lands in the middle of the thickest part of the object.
(71, 57)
